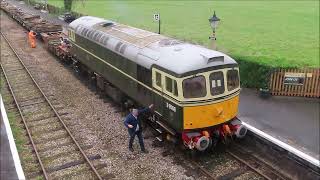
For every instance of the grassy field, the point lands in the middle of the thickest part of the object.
(277, 33)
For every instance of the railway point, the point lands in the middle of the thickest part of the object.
(273, 115)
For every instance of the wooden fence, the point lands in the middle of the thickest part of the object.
(295, 82)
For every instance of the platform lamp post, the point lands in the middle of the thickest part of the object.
(214, 21)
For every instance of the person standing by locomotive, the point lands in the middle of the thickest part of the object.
(133, 123)
(32, 38)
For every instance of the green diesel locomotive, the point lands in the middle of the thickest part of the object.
(195, 90)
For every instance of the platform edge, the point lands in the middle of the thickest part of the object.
(13, 148)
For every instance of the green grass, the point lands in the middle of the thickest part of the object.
(17, 131)
(277, 33)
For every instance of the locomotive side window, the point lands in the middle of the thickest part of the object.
(194, 87)
(232, 79)
(166, 83)
(169, 87)
(216, 83)
(158, 79)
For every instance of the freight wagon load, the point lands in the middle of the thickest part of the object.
(24, 17)
(41, 25)
(8, 8)
(57, 44)
(30, 21)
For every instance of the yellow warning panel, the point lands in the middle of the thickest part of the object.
(210, 115)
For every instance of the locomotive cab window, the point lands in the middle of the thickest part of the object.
(216, 83)
(194, 87)
(232, 79)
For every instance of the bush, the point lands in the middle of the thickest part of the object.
(253, 74)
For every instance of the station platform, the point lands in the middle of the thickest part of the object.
(10, 167)
(292, 120)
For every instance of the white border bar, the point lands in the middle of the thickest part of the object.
(283, 145)
(13, 148)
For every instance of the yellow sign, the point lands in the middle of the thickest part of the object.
(309, 75)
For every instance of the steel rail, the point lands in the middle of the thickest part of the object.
(203, 170)
(277, 173)
(55, 112)
(248, 165)
(208, 174)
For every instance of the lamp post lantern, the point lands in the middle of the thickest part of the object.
(214, 21)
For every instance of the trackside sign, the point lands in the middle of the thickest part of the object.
(294, 78)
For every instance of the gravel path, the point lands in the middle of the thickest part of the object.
(98, 123)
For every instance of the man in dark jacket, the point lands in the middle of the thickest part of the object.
(133, 123)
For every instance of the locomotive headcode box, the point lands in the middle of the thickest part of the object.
(294, 78)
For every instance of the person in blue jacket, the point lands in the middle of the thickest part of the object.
(133, 123)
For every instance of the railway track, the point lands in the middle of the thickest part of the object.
(249, 163)
(255, 163)
(57, 151)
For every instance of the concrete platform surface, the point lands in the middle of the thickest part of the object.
(10, 167)
(293, 120)
(7, 168)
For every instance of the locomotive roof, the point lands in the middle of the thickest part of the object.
(148, 48)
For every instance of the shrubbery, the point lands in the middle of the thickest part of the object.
(252, 74)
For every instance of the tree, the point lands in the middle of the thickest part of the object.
(68, 5)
